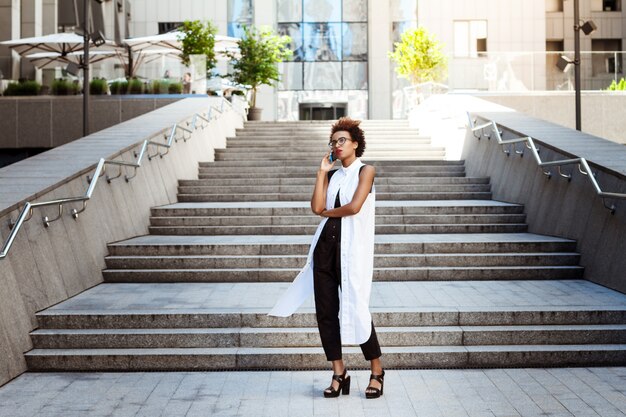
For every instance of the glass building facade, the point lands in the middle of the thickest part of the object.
(329, 66)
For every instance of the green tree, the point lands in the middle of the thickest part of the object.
(198, 39)
(419, 57)
(260, 50)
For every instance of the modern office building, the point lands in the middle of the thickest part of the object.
(340, 63)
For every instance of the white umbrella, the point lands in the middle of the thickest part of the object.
(172, 41)
(54, 59)
(60, 43)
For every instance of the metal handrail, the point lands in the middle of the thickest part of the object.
(27, 212)
(583, 165)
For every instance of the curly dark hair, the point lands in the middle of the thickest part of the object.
(356, 133)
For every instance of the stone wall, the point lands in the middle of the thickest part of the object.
(48, 265)
(51, 121)
(555, 206)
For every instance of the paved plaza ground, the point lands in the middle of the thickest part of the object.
(580, 392)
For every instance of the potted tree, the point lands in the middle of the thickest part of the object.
(198, 38)
(419, 57)
(260, 50)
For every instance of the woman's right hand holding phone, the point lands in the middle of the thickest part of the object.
(326, 165)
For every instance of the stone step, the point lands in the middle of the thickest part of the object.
(261, 142)
(185, 359)
(242, 173)
(321, 133)
(266, 337)
(253, 155)
(309, 181)
(383, 208)
(380, 261)
(314, 164)
(310, 229)
(301, 189)
(312, 220)
(298, 245)
(482, 273)
(461, 195)
(252, 167)
(400, 304)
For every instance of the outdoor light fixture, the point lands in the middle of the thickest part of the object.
(98, 38)
(588, 27)
(564, 63)
(72, 69)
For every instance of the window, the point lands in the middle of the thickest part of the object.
(165, 27)
(329, 44)
(240, 13)
(609, 62)
(470, 38)
(611, 5)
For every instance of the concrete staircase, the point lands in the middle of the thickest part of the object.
(458, 280)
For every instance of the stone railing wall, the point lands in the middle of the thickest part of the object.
(554, 206)
(47, 265)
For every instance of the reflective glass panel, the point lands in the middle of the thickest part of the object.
(294, 31)
(289, 10)
(403, 10)
(355, 41)
(291, 76)
(354, 75)
(235, 30)
(354, 10)
(322, 11)
(398, 28)
(241, 11)
(322, 75)
(322, 41)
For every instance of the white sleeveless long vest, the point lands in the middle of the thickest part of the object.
(357, 261)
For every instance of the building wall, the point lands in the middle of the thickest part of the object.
(516, 41)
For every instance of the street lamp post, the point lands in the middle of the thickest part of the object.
(86, 67)
(577, 62)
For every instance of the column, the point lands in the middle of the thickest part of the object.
(379, 65)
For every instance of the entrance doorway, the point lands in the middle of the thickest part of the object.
(322, 111)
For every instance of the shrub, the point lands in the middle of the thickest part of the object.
(62, 87)
(260, 49)
(23, 88)
(135, 86)
(119, 87)
(175, 88)
(618, 86)
(98, 86)
(158, 86)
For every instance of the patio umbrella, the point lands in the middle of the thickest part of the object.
(44, 60)
(60, 43)
(146, 49)
(171, 41)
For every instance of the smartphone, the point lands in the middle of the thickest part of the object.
(330, 157)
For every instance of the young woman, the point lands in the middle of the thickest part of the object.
(340, 263)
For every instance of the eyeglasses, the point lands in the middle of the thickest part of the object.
(340, 142)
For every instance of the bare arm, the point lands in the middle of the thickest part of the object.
(366, 179)
(318, 199)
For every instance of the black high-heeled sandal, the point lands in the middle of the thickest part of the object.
(344, 386)
(371, 392)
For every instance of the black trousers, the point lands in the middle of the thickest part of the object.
(326, 283)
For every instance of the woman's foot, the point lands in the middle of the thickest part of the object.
(340, 385)
(375, 387)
